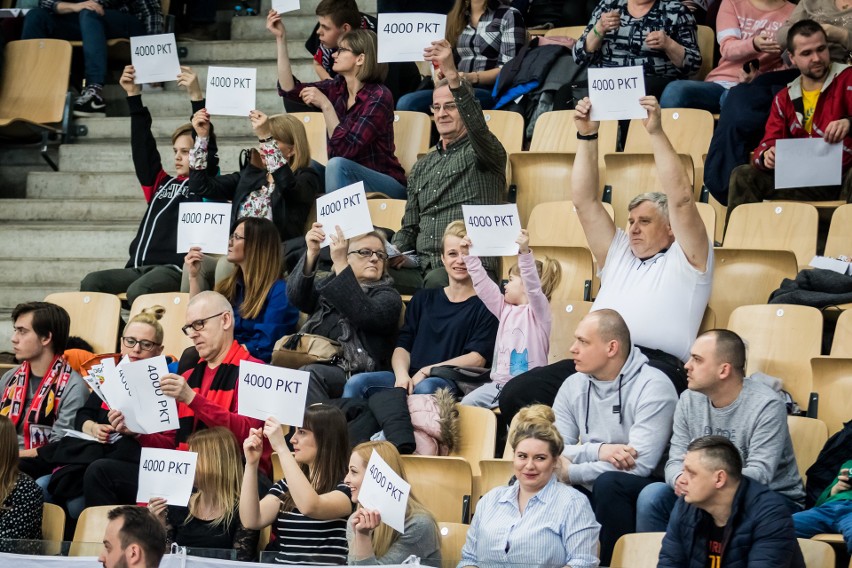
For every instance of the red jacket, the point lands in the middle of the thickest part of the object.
(786, 118)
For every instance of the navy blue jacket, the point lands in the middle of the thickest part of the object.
(759, 533)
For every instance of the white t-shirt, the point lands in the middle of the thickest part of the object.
(661, 299)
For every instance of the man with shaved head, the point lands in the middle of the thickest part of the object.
(721, 401)
(615, 414)
(206, 394)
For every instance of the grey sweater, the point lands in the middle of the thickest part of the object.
(420, 539)
(756, 422)
(585, 413)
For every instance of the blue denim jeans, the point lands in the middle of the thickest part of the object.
(419, 101)
(364, 385)
(340, 172)
(653, 507)
(88, 26)
(831, 517)
(705, 95)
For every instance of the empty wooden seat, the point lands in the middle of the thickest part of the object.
(841, 346)
(175, 303)
(411, 131)
(508, 127)
(453, 536)
(832, 381)
(314, 124)
(478, 435)
(94, 317)
(637, 550)
(540, 177)
(555, 132)
(387, 213)
(777, 225)
(809, 436)
(566, 316)
(443, 484)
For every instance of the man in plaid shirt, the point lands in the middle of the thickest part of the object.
(468, 166)
(93, 22)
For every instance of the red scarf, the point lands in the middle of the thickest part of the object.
(44, 408)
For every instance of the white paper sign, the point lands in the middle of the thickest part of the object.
(615, 93)
(204, 225)
(403, 37)
(492, 229)
(231, 91)
(346, 208)
(266, 391)
(807, 162)
(385, 491)
(169, 474)
(282, 6)
(154, 58)
(134, 389)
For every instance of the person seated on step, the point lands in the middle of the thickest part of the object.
(94, 23)
(357, 108)
(154, 264)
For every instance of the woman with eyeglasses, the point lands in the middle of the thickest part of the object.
(355, 305)
(256, 289)
(358, 111)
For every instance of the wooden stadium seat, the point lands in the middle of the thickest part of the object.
(817, 554)
(721, 212)
(832, 380)
(478, 435)
(706, 45)
(780, 341)
(637, 550)
(809, 435)
(314, 124)
(555, 132)
(746, 277)
(508, 127)
(555, 224)
(830, 538)
(442, 484)
(567, 31)
(492, 473)
(841, 346)
(174, 340)
(708, 322)
(774, 225)
(708, 215)
(90, 529)
(628, 175)
(566, 317)
(411, 131)
(540, 177)
(578, 271)
(839, 241)
(34, 97)
(508, 454)
(53, 523)
(453, 536)
(94, 317)
(387, 213)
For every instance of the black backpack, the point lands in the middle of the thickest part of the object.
(837, 450)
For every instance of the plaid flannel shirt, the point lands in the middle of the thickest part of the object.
(148, 12)
(497, 38)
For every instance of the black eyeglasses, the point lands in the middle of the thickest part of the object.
(144, 344)
(342, 49)
(236, 237)
(449, 107)
(198, 325)
(367, 253)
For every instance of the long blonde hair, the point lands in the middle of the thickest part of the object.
(218, 472)
(288, 129)
(549, 273)
(8, 458)
(383, 535)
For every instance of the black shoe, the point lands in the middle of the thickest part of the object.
(90, 104)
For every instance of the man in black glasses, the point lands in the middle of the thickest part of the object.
(206, 394)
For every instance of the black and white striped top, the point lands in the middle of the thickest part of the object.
(303, 540)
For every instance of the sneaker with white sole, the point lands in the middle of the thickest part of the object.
(90, 103)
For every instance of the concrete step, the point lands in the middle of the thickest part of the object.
(72, 238)
(13, 294)
(299, 27)
(176, 104)
(115, 158)
(16, 210)
(309, 7)
(248, 52)
(52, 270)
(82, 185)
(117, 127)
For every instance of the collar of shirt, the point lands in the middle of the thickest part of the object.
(510, 493)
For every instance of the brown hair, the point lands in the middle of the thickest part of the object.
(364, 42)
(8, 458)
(537, 422)
(142, 528)
(181, 130)
(218, 473)
(288, 129)
(48, 320)
(340, 12)
(549, 273)
(458, 18)
(718, 452)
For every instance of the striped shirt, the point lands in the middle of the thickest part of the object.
(303, 540)
(557, 528)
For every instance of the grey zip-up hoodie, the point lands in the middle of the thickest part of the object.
(635, 409)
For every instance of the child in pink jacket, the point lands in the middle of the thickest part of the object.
(523, 336)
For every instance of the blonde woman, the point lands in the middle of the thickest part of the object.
(20, 498)
(212, 518)
(373, 542)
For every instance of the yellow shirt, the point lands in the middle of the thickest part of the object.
(809, 99)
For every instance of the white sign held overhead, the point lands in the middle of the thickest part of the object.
(154, 58)
(204, 225)
(231, 91)
(282, 6)
(169, 474)
(807, 162)
(266, 391)
(403, 36)
(346, 208)
(615, 93)
(385, 491)
(493, 229)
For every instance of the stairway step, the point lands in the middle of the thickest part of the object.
(41, 271)
(176, 104)
(115, 158)
(69, 238)
(117, 127)
(299, 27)
(249, 52)
(13, 294)
(97, 211)
(82, 185)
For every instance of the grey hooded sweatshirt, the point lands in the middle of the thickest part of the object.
(635, 409)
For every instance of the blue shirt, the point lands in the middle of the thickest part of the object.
(277, 318)
(557, 528)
